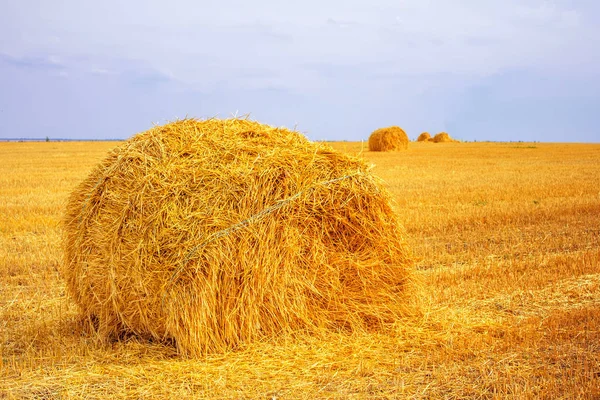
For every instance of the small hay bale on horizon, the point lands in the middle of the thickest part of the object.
(442, 137)
(424, 137)
(217, 233)
(391, 138)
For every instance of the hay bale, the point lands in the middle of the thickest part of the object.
(215, 233)
(388, 139)
(442, 137)
(424, 137)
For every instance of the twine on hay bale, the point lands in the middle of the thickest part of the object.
(215, 233)
(388, 139)
(424, 137)
(442, 137)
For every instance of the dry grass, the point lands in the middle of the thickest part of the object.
(508, 304)
(216, 233)
(424, 137)
(392, 138)
(442, 137)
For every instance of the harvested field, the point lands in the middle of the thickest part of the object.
(506, 302)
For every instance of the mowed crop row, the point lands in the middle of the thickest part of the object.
(506, 299)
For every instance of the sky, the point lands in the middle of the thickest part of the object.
(498, 70)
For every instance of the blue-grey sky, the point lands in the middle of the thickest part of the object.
(479, 69)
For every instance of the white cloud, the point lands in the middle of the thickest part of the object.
(201, 45)
(549, 13)
(102, 71)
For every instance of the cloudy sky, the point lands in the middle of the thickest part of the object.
(336, 70)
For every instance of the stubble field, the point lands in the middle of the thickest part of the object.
(505, 301)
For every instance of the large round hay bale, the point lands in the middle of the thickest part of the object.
(214, 233)
(442, 137)
(388, 139)
(424, 137)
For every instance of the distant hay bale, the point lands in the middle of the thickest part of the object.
(424, 137)
(388, 139)
(442, 137)
(215, 233)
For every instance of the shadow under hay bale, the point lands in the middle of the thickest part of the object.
(424, 137)
(442, 137)
(215, 233)
(388, 139)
